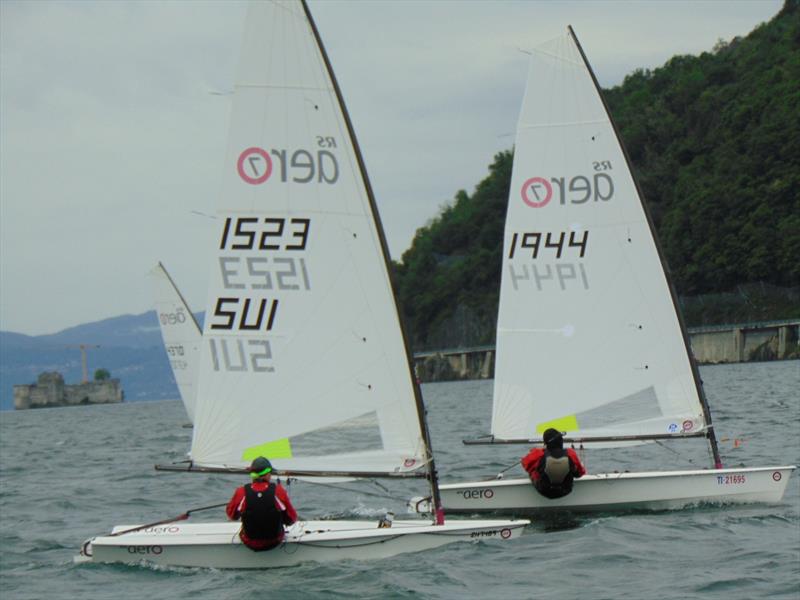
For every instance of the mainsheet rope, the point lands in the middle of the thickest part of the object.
(181, 517)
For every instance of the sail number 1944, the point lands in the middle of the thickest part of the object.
(556, 242)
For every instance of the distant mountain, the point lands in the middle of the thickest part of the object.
(135, 331)
(129, 346)
(17, 340)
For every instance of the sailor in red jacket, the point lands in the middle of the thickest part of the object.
(552, 468)
(264, 508)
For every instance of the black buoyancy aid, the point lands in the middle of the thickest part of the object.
(261, 519)
(556, 472)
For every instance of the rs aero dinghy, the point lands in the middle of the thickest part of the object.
(589, 339)
(301, 315)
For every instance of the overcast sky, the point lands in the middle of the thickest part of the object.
(113, 123)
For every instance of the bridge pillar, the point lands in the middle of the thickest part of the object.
(783, 334)
(486, 368)
(738, 344)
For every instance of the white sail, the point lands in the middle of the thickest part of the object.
(181, 334)
(588, 339)
(303, 359)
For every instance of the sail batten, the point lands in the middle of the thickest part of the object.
(532, 126)
(264, 86)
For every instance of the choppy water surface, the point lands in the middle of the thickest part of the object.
(68, 474)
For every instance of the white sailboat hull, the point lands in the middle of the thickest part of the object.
(217, 545)
(608, 492)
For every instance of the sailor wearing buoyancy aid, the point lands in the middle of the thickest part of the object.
(264, 508)
(552, 469)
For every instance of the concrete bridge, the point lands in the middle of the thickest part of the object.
(771, 340)
(476, 362)
(750, 342)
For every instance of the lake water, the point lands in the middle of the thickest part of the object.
(68, 474)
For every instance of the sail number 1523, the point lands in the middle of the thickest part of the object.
(252, 233)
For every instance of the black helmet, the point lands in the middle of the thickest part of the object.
(260, 467)
(552, 437)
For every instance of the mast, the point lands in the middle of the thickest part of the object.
(711, 435)
(421, 413)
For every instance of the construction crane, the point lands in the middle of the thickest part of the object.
(83, 348)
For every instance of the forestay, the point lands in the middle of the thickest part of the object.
(303, 359)
(588, 338)
(181, 335)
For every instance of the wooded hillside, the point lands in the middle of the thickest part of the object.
(715, 144)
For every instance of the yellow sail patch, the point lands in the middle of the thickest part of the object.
(271, 450)
(568, 423)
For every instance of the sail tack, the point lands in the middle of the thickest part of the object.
(588, 339)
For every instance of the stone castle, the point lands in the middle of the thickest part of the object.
(50, 390)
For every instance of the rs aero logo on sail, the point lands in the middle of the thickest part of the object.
(257, 165)
(538, 192)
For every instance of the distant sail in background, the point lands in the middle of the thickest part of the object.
(181, 334)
